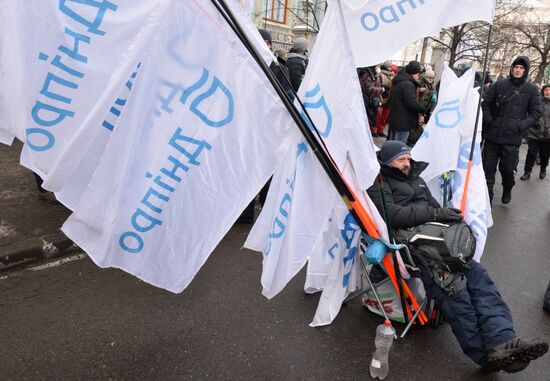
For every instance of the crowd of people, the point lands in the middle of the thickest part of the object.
(401, 101)
(512, 111)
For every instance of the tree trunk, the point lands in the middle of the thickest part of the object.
(542, 70)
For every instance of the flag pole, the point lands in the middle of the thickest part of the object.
(363, 219)
(472, 148)
(358, 211)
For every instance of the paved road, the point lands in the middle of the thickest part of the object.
(79, 322)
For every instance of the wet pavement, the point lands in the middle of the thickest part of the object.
(76, 321)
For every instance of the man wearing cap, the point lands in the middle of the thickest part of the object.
(480, 320)
(404, 105)
(296, 62)
(510, 107)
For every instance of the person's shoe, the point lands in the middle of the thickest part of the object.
(516, 366)
(506, 197)
(382, 135)
(526, 176)
(542, 175)
(514, 355)
(374, 134)
(546, 307)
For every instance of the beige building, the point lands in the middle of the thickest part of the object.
(288, 19)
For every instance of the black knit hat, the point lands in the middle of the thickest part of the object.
(392, 149)
(413, 67)
(266, 35)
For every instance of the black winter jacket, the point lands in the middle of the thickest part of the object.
(510, 107)
(404, 106)
(296, 65)
(409, 201)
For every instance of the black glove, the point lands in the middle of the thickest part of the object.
(447, 214)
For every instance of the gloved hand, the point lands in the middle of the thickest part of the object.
(447, 214)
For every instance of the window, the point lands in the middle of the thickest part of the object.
(276, 10)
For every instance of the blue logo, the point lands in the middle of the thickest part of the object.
(449, 115)
(317, 110)
(216, 90)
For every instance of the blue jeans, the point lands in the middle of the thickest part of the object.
(478, 316)
(401, 136)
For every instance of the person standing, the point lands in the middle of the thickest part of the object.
(296, 62)
(372, 91)
(510, 107)
(386, 77)
(539, 139)
(404, 105)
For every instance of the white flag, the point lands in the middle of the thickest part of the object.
(203, 132)
(74, 168)
(343, 277)
(61, 57)
(301, 194)
(379, 28)
(445, 145)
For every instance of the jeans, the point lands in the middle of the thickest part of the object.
(401, 136)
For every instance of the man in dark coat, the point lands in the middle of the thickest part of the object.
(480, 320)
(539, 138)
(404, 105)
(510, 107)
(296, 62)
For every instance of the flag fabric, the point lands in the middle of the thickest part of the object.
(380, 28)
(60, 57)
(301, 195)
(201, 134)
(445, 145)
(333, 265)
(75, 166)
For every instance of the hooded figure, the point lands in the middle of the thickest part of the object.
(510, 107)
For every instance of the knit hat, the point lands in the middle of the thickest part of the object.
(300, 45)
(413, 67)
(429, 74)
(386, 65)
(391, 150)
(266, 35)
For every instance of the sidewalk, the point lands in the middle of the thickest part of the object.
(29, 224)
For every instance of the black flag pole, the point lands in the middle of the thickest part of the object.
(478, 112)
(320, 152)
(358, 211)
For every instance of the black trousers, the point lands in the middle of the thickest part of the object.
(543, 148)
(506, 157)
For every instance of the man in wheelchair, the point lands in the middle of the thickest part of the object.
(480, 319)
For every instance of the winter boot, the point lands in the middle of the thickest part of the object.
(526, 176)
(542, 174)
(514, 355)
(506, 196)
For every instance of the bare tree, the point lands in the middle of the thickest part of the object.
(468, 41)
(533, 39)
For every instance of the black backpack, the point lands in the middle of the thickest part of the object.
(439, 246)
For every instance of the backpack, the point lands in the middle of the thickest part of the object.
(439, 246)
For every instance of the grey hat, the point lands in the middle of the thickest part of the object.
(391, 150)
(300, 45)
